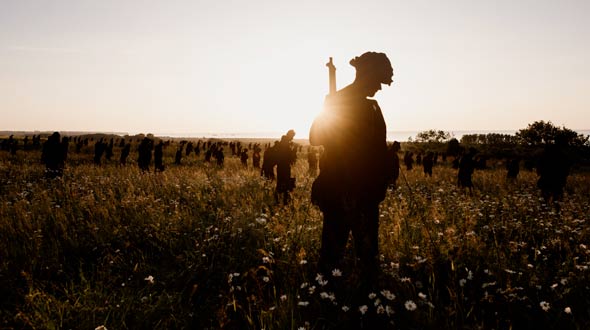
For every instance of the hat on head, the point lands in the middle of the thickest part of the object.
(376, 64)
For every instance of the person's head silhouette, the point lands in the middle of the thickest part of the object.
(372, 70)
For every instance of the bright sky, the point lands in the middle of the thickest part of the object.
(259, 66)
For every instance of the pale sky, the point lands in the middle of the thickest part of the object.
(259, 66)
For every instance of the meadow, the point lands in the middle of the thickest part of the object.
(202, 247)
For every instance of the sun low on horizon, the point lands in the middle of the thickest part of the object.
(186, 67)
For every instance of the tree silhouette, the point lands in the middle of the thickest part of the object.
(541, 132)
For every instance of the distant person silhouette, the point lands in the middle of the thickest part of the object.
(428, 163)
(189, 148)
(513, 168)
(178, 155)
(53, 156)
(219, 156)
(269, 161)
(244, 157)
(409, 160)
(158, 157)
(393, 163)
(124, 154)
(353, 175)
(99, 149)
(286, 155)
(466, 168)
(256, 157)
(109, 150)
(553, 169)
(144, 157)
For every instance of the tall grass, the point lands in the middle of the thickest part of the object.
(198, 246)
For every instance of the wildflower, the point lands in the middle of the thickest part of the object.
(387, 294)
(303, 262)
(325, 295)
(389, 310)
(372, 295)
(284, 297)
(410, 305)
(363, 309)
(336, 272)
(421, 295)
(545, 305)
(406, 280)
(380, 309)
(304, 285)
(345, 308)
(470, 275)
(301, 328)
(567, 310)
(261, 220)
(266, 279)
(100, 327)
(303, 303)
(462, 282)
(266, 260)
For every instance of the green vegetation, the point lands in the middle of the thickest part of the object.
(198, 247)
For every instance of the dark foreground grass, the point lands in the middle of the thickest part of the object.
(198, 247)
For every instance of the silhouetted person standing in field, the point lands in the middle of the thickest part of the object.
(513, 168)
(269, 161)
(408, 160)
(109, 150)
(553, 169)
(244, 157)
(466, 167)
(428, 163)
(178, 155)
(158, 157)
(286, 155)
(145, 153)
(353, 175)
(219, 156)
(99, 149)
(256, 157)
(124, 154)
(53, 156)
(393, 163)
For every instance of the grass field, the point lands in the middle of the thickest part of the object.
(199, 247)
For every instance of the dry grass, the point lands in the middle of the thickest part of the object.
(201, 247)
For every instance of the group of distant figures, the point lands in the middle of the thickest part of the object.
(552, 166)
